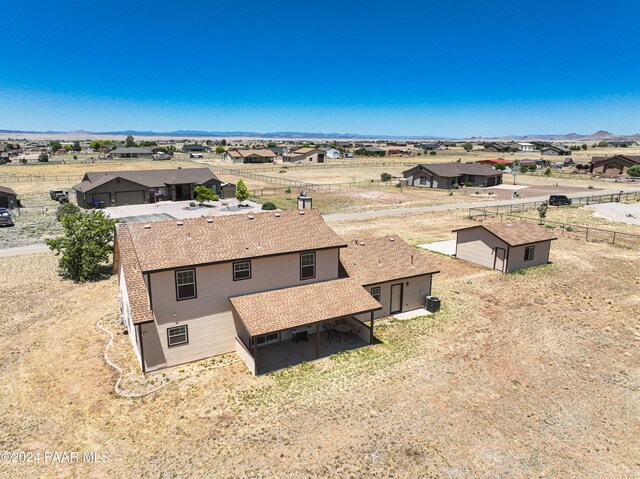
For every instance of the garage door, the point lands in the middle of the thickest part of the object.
(106, 197)
(4, 202)
(129, 198)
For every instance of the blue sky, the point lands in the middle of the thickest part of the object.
(449, 68)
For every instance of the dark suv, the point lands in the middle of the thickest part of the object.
(559, 200)
(5, 217)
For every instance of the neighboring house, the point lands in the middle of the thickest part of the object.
(445, 175)
(280, 150)
(500, 148)
(427, 146)
(555, 150)
(529, 162)
(371, 151)
(8, 198)
(612, 165)
(526, 147)
(195, 149)
(118, 188)
(497, 161)
(447, 143)
(195, 288)
(504, 247)
(621, 143)
(104, 149)
(540, 144)
(132, 153)
(250, 156)
(332, 153)
(305, 155)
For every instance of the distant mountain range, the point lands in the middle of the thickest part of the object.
(599, 135)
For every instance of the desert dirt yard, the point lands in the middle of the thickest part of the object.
(522, 375)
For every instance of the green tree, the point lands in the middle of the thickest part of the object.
(634, 171)
(66, 209)
(500, 166)
(55, 145)
(542, 211)
(204, 194)
(287, 192)
(85, 246)
(603, 144)
(43, 157)
(242, 192)
(386, 177)
(467, 147)
(220, 150)
(584, 146)
(547, 171)
(523, 169)
(129, 142)
(95, 145)
(223, 142)
(76, 146)
(148, 143)
(271, 144)
(532, 167)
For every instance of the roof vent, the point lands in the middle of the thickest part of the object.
(301, 213)
(250, 217)
(277, 215)
(392, 239)
(509, 225)
(361, 243)
(147, 227)
(209, 220)
(179, 223)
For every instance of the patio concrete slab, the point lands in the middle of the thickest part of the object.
(272, 357)
(145, 218)
(447, 247)
(180, 210)
(416, 313)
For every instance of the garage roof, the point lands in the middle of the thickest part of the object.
(516, 233)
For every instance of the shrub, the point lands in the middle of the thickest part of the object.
(192, 204)
(43, 157)
(269, 205)
(66, 209)
(385, 177)
(282, 171)
(468, 184)
(533, 167)
(204, 194)
(547, 171)
(523, 169)
(634, 171)
(432, 152)
(455, 186)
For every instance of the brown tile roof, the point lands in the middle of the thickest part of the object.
(6, 189)
(136, 287)
(376, 260)
(516, 233)
(243, 153)
(289, 308)
(166, 245)
(148, 178)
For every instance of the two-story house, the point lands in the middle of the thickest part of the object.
(195, 288)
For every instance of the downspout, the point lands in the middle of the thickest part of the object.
(139, 333)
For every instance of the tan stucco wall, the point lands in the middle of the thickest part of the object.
(413, 294)
(477, 246)
(540, 256)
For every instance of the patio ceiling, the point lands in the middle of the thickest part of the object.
(289, 308)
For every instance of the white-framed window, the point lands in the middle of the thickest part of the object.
(185, 284)
(178, 335)
(307, 265)
(423, 180)
(267, 338)
(375, 292)
(529, 252)
(241, 270)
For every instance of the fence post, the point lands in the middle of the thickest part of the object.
(586, 235)
(614, 238)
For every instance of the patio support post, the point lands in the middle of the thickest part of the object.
(255, 354)
(371, 330)
(317, 340)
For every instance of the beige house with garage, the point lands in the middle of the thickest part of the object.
(504, 247)
(258, 285)
(305, 155)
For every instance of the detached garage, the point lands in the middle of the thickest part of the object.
(8, 198)
(504, 247)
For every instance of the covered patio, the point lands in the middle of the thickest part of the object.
(288, 326)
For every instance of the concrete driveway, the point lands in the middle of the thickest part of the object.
(447, 247)
(178, 210)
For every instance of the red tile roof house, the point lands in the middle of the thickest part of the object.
(504, 247)
(248, 284)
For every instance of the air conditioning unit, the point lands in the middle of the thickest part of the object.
(432, 304)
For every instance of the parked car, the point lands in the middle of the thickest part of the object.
(62, 198)
(559, 200)
(55, 193)
(5, 218)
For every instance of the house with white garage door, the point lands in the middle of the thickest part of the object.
(504, 247)
(271, 287)
(119, 188)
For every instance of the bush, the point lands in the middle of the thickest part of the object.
(282, 171)
(432, 152)
(547, 171)
(533, 167)
(523, 169)
(192, 204)
(43, 157)
(66, 209)
(269, 205)
(634, 171)
(385, 177)
(468, 184)
(455, 186)
(204, 194)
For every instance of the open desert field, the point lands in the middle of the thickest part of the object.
(524, 375)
